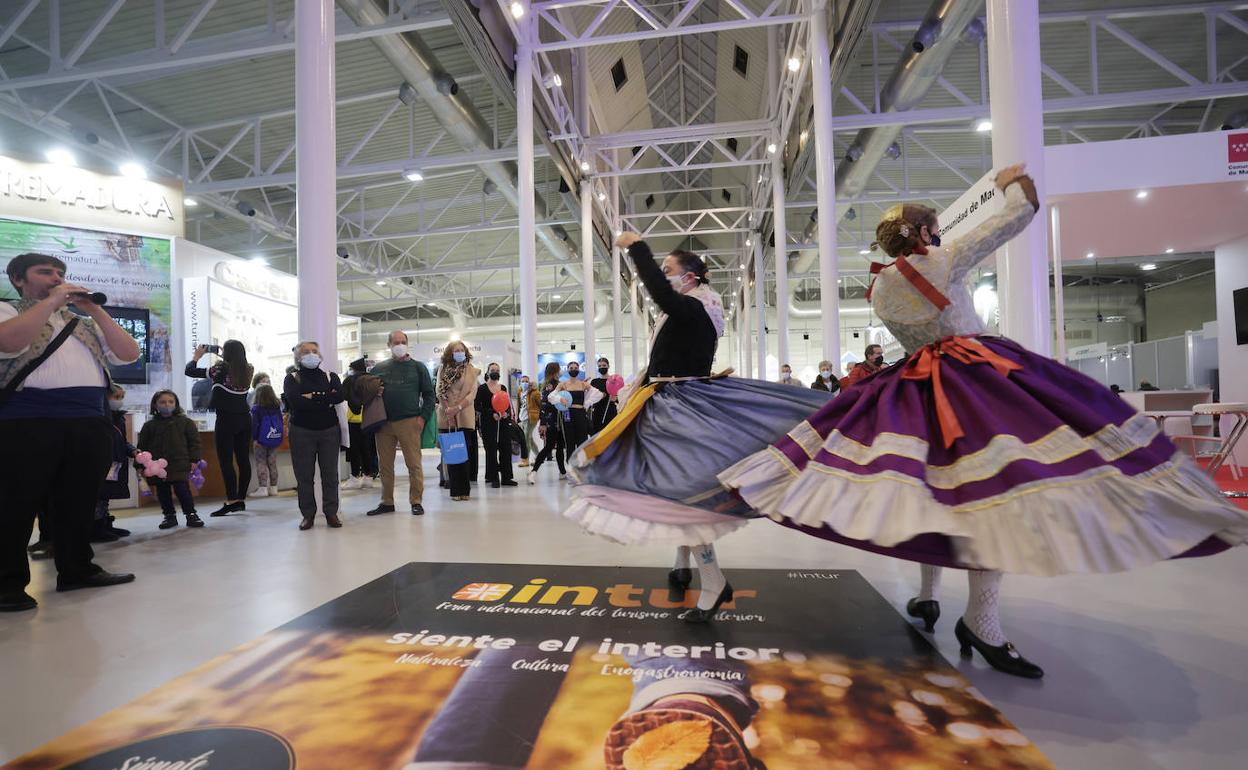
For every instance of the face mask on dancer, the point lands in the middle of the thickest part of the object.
(495, 376)
(574, 372)
(677, 282)
(603, 370)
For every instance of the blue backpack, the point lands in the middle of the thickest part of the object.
(271, 430)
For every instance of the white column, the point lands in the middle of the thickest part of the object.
(1014, 82)
(528, 207)
(781, 237)
(1059, 294)
(617, 295)
(747, 327)
(760, 304)
(587, 269)
(315, 177)
(638, 342)
(825, 181)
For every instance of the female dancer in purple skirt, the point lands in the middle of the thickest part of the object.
(650, 475)
(977, 453)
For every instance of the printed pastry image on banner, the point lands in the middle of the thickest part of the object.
(438, 666)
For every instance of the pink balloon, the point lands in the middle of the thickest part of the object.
(615, 383)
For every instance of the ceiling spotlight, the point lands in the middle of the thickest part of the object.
(584, 165)
(1141, 195)
(190, 202)
(381, 283)
(988, 273)
(618, 233)
(517, 10)
(343, 253)
(747, 242)
(554, 81)
(602, 196)
(1148, 266)
(61, 157)
(983, 126)
(851, 215)
(258, 260)
(133, 170)
(853, 153)
(893, 151)
(556, 296)
(407, 94)
(771, 148)
(413, 175)
(431, 304)
(795, 64)
(446, 85)
(1090, 255)
(489, 187)
(1170, 250)
(245, 208)
(864, 252)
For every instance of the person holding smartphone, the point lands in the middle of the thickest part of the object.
(231, 382)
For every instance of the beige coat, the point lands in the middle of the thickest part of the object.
(459, 412)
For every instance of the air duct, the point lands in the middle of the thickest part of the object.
(455, 112)
(918, 69)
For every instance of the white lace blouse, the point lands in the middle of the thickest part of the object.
(911, 317)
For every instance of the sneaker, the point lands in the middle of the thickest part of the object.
(193, 520)
(169, 522)
(367, 482)
(273, 491)
(418, 510)
(261, 492)
(352, 483)
(532, 477)
(524, 464)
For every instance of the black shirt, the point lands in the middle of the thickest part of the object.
(685, 346)
(316, 412)
(227, 396)
(485, 404)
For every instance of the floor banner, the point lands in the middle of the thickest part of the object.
(487, 667)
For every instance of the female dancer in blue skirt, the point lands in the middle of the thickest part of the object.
(650, 475)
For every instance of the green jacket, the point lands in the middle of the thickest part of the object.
(175, 439)
(409, 389)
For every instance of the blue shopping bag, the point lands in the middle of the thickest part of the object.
(454, 448)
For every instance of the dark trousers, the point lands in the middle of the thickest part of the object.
(233, 434)
(457, 474)
(165, 490)
(308, 450)
(60, 465)
(362, 454)
(577, 430)
(474, 461)
(496, 436)
(556, 445)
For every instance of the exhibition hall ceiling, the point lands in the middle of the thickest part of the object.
(205, 89)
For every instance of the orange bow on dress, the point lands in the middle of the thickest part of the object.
(925, 365)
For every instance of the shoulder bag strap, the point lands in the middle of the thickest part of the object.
(34, 364)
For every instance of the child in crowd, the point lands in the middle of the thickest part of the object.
(267, 430)
(172, 436)
(117, 482)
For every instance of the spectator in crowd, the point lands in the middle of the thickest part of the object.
(495, 429)
(54, 447)
(827, 380)
(409, 400)
(873, 364)
(553, 428)
(171, 436)
(1148, 386)
(531, 397)
(315, 435)
(261, 378)
(230, 378)
(457, 384)
(268, 431)
(1114, 388)
(605, 409)
(787, 378)
(362, 453)
(117, 482)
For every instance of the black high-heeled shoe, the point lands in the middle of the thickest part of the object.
(680, 577)
(927, 610)
(1005, 658)
(699, 615)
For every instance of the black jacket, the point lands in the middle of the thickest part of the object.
(831, 386)
(227, 395)
(175, 439)
(685, 346)
(119, 489)
(316, 412)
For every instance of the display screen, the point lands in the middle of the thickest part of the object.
(1241, 315)
(136, 321)
(563, 359)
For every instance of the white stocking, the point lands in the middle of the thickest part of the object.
(929, 582)
(982, 614)
(711, 578)
(684, 557)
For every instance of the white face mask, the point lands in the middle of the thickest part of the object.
(116, 406)
(825, 374)
(310, 360)
(787, 375)
(398, 351)
(677, 282)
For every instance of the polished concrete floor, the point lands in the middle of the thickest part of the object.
(1144, 670)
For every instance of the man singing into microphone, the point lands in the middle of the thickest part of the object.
(55, 445)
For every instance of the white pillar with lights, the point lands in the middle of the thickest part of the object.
(528, 207)
(825, 180)
(587, 267)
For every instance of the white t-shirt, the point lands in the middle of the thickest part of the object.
(72, 365)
